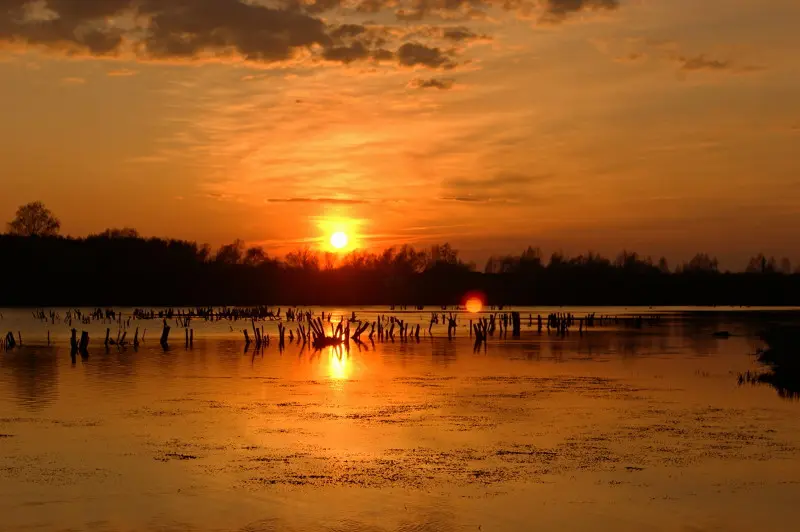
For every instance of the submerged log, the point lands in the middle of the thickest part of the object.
(515, 324)
(165, 335)
(84, 344)
(322, 342)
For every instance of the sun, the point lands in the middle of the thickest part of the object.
(339, 240)
(474, 305)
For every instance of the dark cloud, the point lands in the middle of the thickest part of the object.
(333, 201)
(701, 62)
(501, 187)
(558, 10)
(465, 199)
(172, 28)
(441, 84)
(347, 54)
(420, 9)
(415, 54)
(193, 29)
(68, 30)
(186, 28)
(371, 6)
(460, 33)
(348, 30)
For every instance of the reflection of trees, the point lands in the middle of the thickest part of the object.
(33, 373)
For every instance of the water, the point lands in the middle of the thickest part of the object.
(616, 429)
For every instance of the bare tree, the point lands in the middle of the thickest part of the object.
(761, 264)
(303, 259)
(255, 256)
(702, 262)
(786, 266)
(34, 219)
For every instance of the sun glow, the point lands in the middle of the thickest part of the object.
(339, 240)
(339, 234)
(474, 305)
(339, 367)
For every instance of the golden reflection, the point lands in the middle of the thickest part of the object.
(339, 366)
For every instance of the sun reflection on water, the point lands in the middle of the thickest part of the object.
(339, 366)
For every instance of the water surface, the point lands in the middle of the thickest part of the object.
(617, 429)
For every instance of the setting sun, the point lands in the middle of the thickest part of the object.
(339, 240)
(474, 305)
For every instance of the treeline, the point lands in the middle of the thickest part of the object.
(118, 267)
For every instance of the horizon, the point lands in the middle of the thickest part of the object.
(341, 248)
(592, 125)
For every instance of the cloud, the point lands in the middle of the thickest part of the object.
(465, 199)
(191, 30)
(460, 34)
(700, 62)
(508, 187)
(332, 201)
(441, 84)
(633, 57)
(414, 54)
(556, 11)
(347, 54)
(121, 73)
(73, 81)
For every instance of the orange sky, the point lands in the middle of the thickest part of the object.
(664, 126)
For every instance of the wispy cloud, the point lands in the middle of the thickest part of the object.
(441, 84)
(121, 73)
(331, 201)
(701, 62)
(73, 81)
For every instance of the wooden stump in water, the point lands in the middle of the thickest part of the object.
(165, 335)
(84, 344)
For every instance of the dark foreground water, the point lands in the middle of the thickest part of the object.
(617, 429)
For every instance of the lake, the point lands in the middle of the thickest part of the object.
(616, 428)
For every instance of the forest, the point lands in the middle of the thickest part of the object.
(119, 267)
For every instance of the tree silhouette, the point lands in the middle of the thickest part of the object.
(761, 264)
(230, 253)
(125, 232)
(702, 262)
(34, 219)
(255, 256)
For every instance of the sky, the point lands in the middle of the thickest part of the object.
(668, 127)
